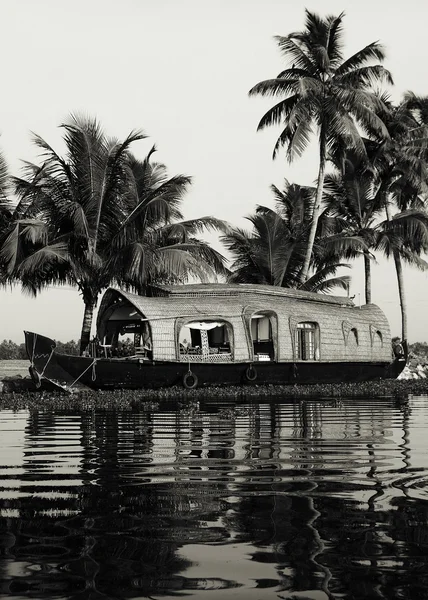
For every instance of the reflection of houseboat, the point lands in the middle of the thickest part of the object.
(224, 334)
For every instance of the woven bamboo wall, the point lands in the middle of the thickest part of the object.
(171, 310)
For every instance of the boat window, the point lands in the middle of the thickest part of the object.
(262, 336)
(261, 328)
(377, 339)
(206, 341)
(307, 341)
(352, 338)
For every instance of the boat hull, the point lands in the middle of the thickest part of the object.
(73, 372)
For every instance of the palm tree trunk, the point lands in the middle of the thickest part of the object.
(85, 336)
(401, 292)
(400, 281)
(317, 210)
(368, 278)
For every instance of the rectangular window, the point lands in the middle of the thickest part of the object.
(254, 328)
(264, 329)
(306, 341)
(261, 329)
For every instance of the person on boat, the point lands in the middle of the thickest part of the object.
(147, 341)
(184, 346)
(397, 348)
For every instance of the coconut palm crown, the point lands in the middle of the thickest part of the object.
(273, 252)
(323, 93)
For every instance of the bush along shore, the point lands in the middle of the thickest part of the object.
(44, 398)
(415, 370)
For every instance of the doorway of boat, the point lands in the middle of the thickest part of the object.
(123, 330)
(263, 334)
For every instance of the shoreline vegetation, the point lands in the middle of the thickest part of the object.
(399, 390)
(19, 391)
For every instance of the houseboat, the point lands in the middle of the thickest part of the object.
(223, 334)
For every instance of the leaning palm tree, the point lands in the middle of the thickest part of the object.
(274, 251)
(91, 218)
(404, 237)
(325, 94)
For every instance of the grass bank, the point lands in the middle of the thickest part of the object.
(13, 368)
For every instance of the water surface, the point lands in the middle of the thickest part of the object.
(307, 499)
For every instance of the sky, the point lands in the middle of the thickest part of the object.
(181, 70)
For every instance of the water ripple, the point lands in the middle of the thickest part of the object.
(308, 499)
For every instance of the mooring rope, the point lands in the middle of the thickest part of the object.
(47, 362)
(33, 354)
(34, 349)
(94, 375)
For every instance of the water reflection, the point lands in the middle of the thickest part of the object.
(313, 499)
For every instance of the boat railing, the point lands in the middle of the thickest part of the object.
(206, 358)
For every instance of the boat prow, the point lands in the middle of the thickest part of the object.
(44, 365)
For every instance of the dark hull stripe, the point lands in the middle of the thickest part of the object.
(135, 374)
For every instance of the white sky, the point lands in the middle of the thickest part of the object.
(181, 70)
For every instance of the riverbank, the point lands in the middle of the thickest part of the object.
(20, 392)
(14, 368)
(129, 399)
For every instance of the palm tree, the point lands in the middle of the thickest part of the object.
(6, 208)
(355, 199)
(352, 200)
(274, 251)
(153, 244)
(404, 236)
(100, 217)
(323, 93)
(401, 164)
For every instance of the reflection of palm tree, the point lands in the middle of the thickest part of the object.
(310, 424)
(132, 540)
(406, 412)
(370, 538)
(107, 534)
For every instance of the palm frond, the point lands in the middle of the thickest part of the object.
(43, 259)
(273, 87)
(23, 234)
(364, 77)
(327, 285)
(278, 113)
(184, 229)
(5, 188)
(334, 40)
(373, 51)
(294, 53)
